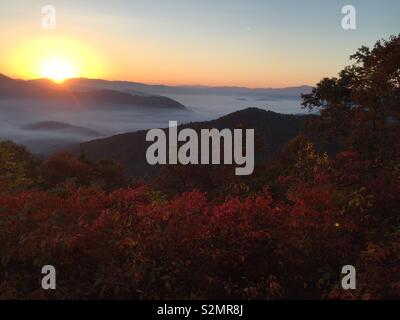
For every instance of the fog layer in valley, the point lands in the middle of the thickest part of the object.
(18, 116)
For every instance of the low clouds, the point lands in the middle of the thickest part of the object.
(17, 115)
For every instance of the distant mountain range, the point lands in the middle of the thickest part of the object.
(142, 89)
(272, 129)
(61, 127)
(47, 90)
(146, 89)
(104, 92)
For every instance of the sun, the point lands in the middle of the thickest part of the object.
(56, 57)
(58, 69)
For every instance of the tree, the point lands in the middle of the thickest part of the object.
(18, 168)
(360, 108)
(63, 167)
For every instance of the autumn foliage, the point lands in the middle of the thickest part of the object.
(284, 233)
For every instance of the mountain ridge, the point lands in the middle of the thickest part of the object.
(285, 92)
(129, 149)
(48, 90)
(63, 126)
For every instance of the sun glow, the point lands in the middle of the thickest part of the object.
(58, 69)
(56, 58)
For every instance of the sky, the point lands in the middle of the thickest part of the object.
(252, 43)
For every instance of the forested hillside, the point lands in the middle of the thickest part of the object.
(199, 232)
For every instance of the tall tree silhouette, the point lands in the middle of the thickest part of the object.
(361, 106)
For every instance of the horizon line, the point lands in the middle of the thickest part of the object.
(161, 84)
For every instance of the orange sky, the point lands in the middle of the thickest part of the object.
(225, 43)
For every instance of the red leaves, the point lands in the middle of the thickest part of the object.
(135, 243)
